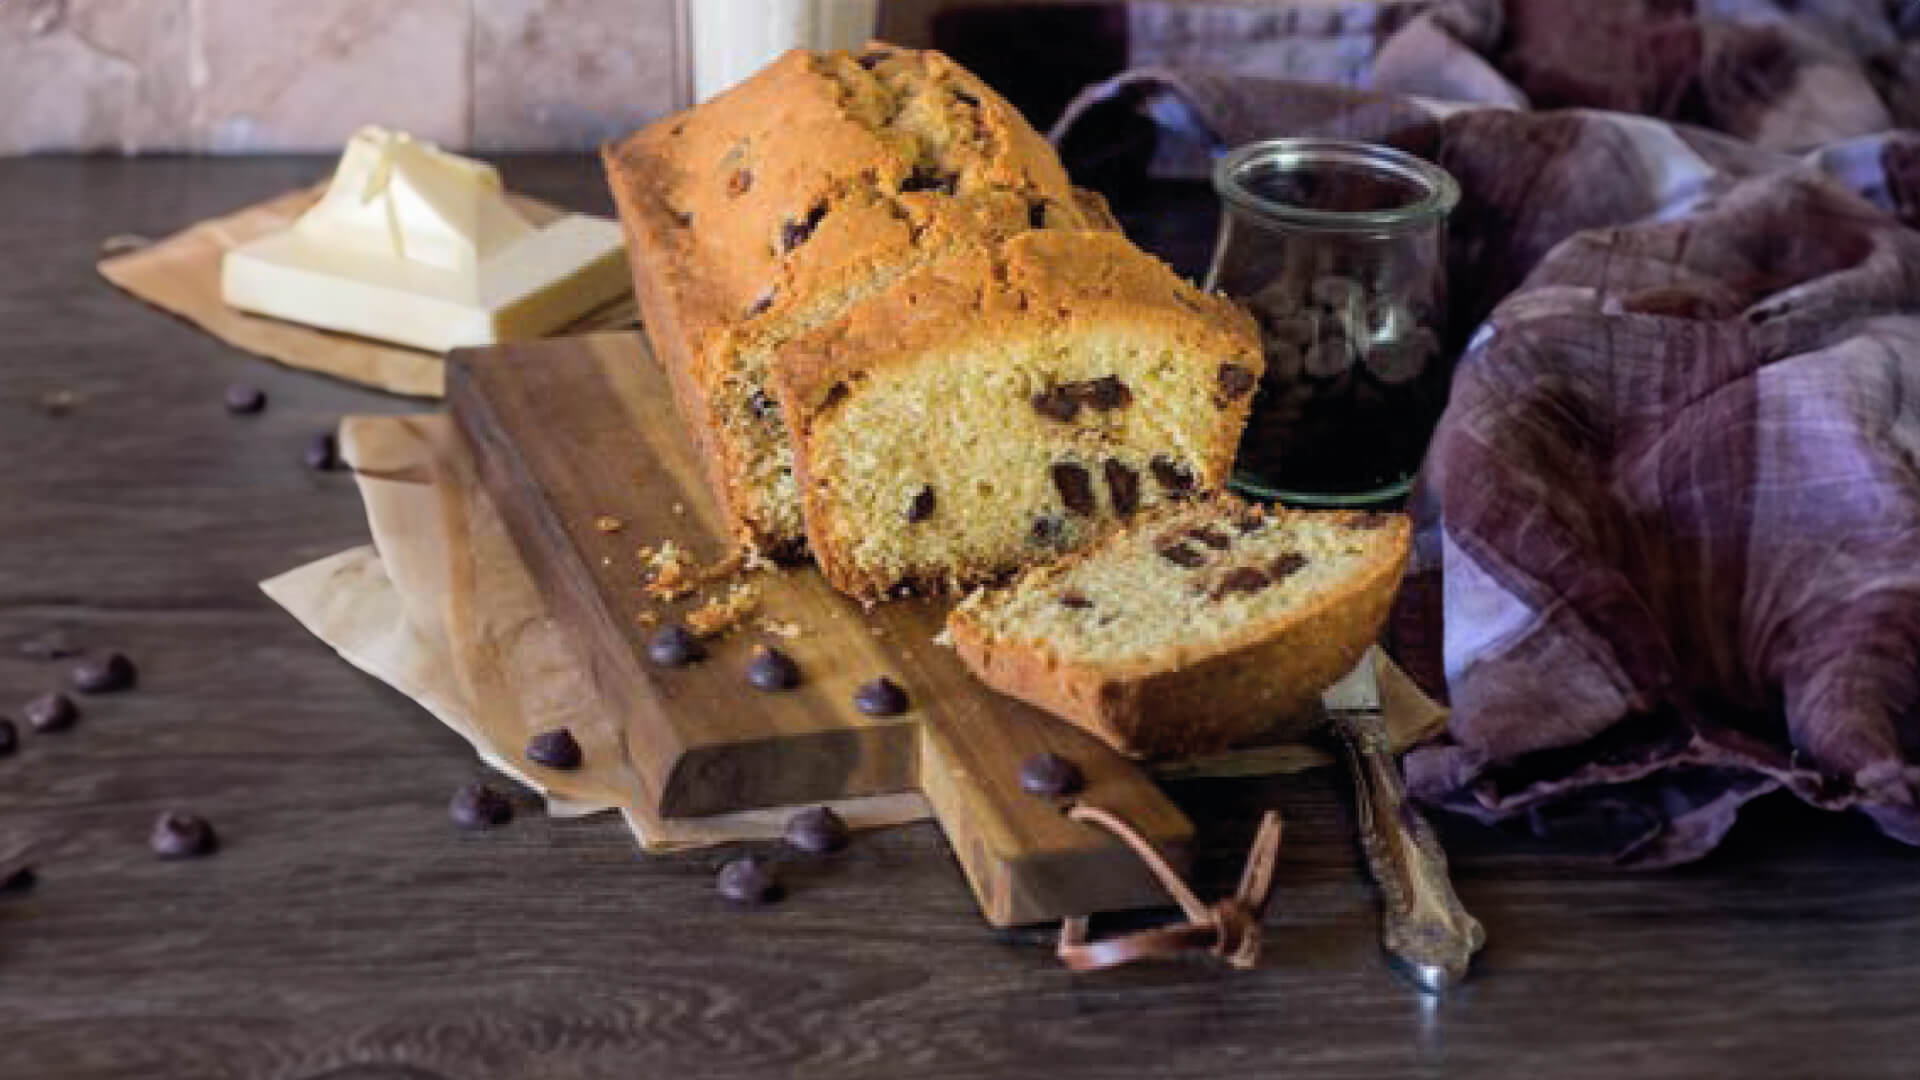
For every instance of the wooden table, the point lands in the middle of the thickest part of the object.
(347, 930)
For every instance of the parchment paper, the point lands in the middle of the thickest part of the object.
(181, 275)
(441, 608)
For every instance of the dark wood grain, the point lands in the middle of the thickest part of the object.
(347, 932)
(566, 433)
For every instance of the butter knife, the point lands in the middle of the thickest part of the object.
(1424, 929)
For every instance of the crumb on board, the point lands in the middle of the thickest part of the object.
(943, 638)
(723, 613)
(781, 628)
(680, 508)
(646, 617)
(607, 523)
(674, 574)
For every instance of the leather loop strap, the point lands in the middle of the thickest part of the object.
(1230, 928)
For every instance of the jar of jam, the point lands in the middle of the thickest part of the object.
(1339, 250)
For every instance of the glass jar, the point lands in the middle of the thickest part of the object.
(1339, 250)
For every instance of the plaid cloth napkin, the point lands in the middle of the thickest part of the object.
(1668, 556)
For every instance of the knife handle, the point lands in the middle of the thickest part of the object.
(1424, 929)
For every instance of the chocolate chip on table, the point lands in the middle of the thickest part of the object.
(477, 806)
(104, 675)
(1123, 487)
(1057, 403)
(817, 830)
(748, 880)
(181, 836)
(1074, 601)
(1236, 382)
(1050, 774)
(49, 645)
(880, 697)
(9, 737)
(1242, 579)
(1075, 486)
(795, 233)
(1287, 565)
(1211, 537)
(243, 400)
(556, 749)
(323, 452)
(1173, 477)
(771, 669)
(1182, 555)
(51, 712)
(674, 645)
(920, 507)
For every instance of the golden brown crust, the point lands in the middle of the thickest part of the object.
(1181, 701)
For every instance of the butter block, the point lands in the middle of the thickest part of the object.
(413, 245)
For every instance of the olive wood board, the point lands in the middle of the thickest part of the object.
(571, 431)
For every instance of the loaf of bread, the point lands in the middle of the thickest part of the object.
(1006, 403)
(766, 212)
(1195, 628)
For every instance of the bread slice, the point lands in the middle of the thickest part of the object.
(1006, 404)
(1199, 627)
(765, 212)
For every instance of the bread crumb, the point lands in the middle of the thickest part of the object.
(721, 614)
(680, 508)
(607, 523)
(646, 617)
(777, 628)
(943, 638)
(671, 578)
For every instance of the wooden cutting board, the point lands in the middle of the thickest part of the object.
(566, 432)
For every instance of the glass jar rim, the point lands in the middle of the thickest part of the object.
(1440, 191)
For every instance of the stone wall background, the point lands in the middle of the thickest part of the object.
(266, 76)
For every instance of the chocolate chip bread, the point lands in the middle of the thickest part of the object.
(1195, 628)
(1007, 403)
(766, 212)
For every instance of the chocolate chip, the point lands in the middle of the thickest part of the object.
(920, 507)
(477, 806)
(817, 830)
(674, 645)
(761, 303)
(1075, 486)
(881, 697)
(928, 180)
(20, 880)
(105, 675)
(1211, 537)
(1046, 532)
(1057, 403)
(556, 749)
(323, 452)
(181, 836)
(1173, 477)
(1037, 214)
(795, 233)
(243, 400)
(1242, 579)
(1182, 555)
(1104, 394)
(965, 98)
(1050, 774)
(771, 669)
(1251, 521)
(748, 880)
(51, 712)
(740, 183)
(761, 405)
(1286, 566)
(1236, 382)
(49, 645)
(1075, 601)
(680, 217)
(1123, 487)
(872, 60)
(9, 737)
(836, 394)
